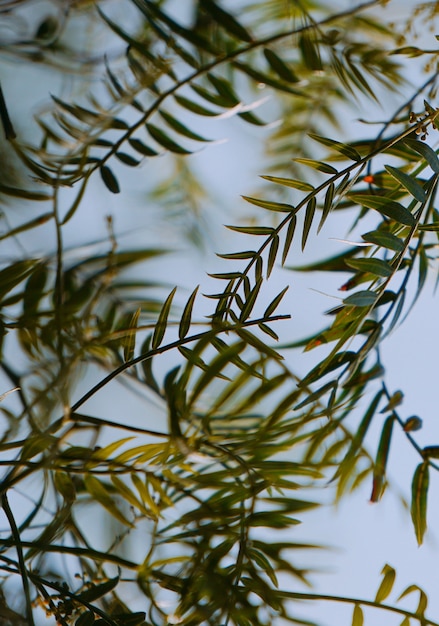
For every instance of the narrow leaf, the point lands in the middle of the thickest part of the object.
(384, 239)
(386, 207)
(419, 500)
(379, 472)
(329, 197)
(290, 182)
(374, 266)
(226, 20)
(129, 341)
(109, 179)
(289, 238)
(361, 298)
(426, 151)
(274, 247)
(185, 321)
(309, 215)
(408, 182)
(342, 148)
(271, 206)
(387, 583)
(357, 616)
(100, 494)
(160, 327)
(164, 140)
(279, 66)
(317, 165)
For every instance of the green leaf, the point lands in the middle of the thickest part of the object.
(310, 52)
(289, 238)
(408, 182)
(142, 148)
(327, 205)
(252, 230)
(161, 324)
(271, 206)
(357, 616)
(109, 179)
(309, 216)
(385, 206)
(317, 165)
(384, 239)
(426, 151)
(226, 20)
(274, 247)
(186, 317)
(387, 583)
(342, 148)
(98, 591)
(361, 298)
(194, 107)
(280, 67)
(290, 182)
(164, 140)
(181, 128)
(127, 159)
(374, 266)
(419, 500)
(379, 471)
(275, 303)
(129, 341)
(100, 494)
(423, 600)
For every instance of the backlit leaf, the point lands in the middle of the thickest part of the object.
(379, 471)
(387, 583)
(419, 500)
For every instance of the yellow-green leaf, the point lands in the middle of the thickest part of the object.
(386, 585)
(419, 500)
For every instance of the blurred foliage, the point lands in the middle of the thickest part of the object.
(188, 517)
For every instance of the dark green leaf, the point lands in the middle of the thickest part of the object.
(310, 53)
(186, 317)
(426, 151)
(329, 197)
(290, 182)
(142, 148)
(384, 239)
(161, 324)
(271, 206)
(343, 148)
(317, 165)
(409, 183)
(97, 591)
(374, 266)
(386, 207)
(127, 159)
(309, 216)
(361, 298)
(279, 66)
(164, 140)
(194, 107)
(289, 238)
(226, 20)
(109, 179)
(180, 128)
